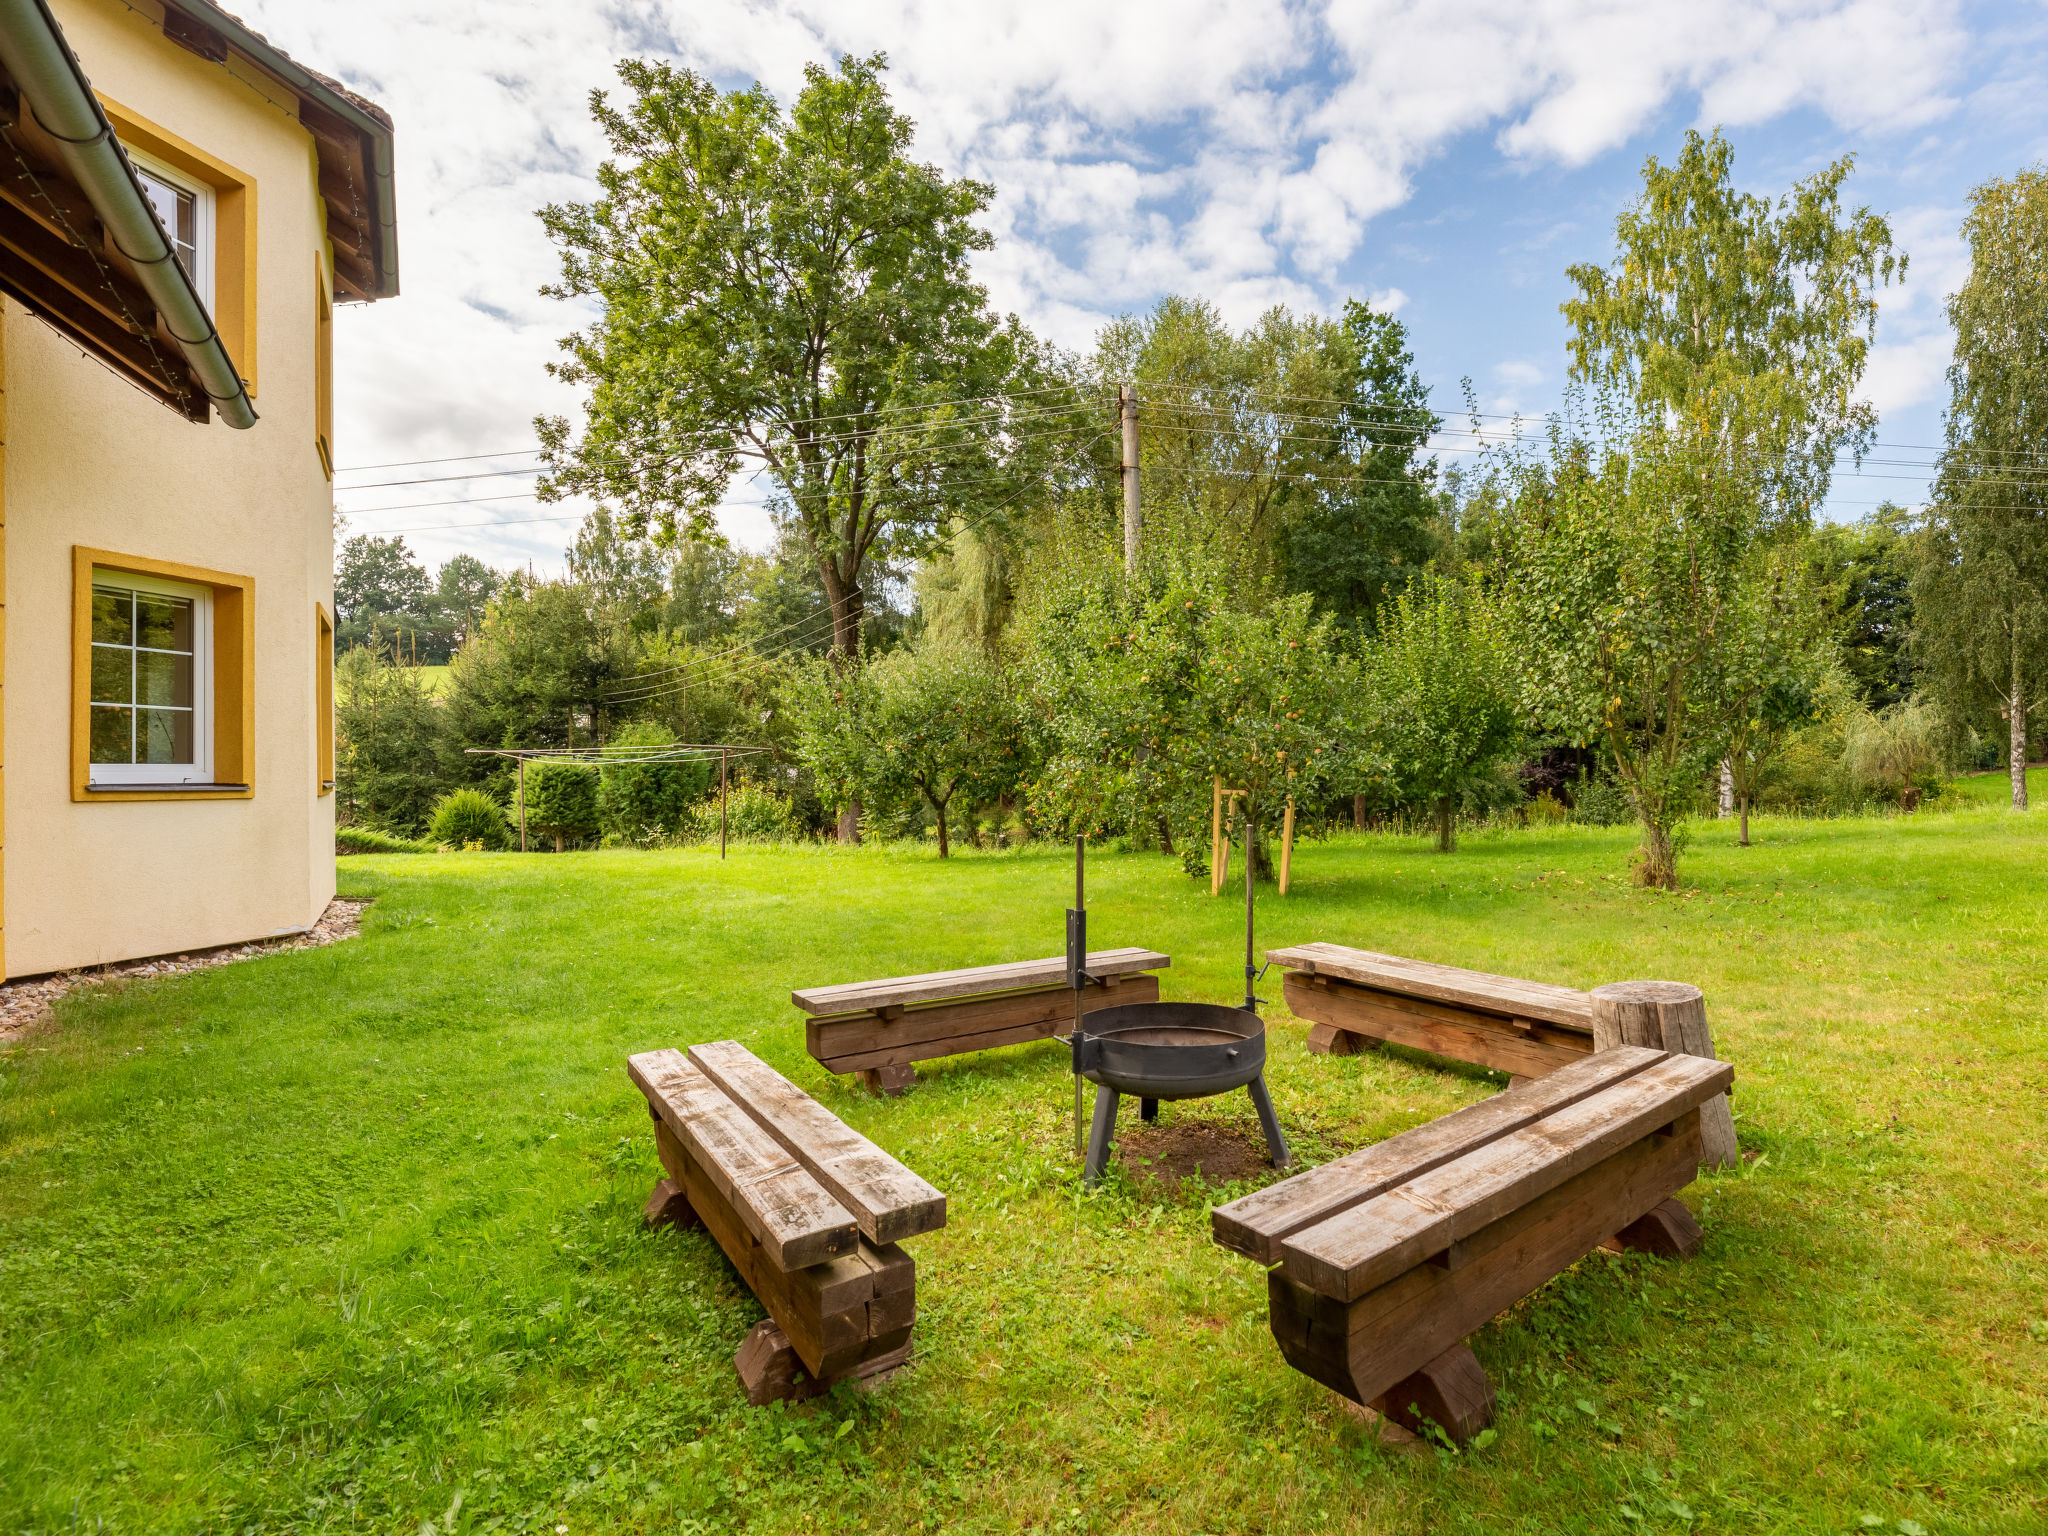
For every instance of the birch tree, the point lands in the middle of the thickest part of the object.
(1981, 589)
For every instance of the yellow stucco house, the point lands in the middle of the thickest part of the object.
(181, 205)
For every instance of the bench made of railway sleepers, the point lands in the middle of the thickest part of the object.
(1355, 997)
(877, 1029)
(1390, 1256)
(810, 1213)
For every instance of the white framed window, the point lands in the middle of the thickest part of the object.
(152, 682)
(186, 208)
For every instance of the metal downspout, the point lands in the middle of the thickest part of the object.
(33, 48)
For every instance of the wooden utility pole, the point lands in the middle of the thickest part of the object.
(1134, 520)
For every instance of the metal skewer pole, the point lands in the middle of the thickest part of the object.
(1251, 975)
(1077, 978)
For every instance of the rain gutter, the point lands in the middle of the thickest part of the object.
(48, 75)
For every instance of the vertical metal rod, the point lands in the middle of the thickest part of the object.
(1134, 518)
(721, 802)
(1076, 964)
(1251, 974)
(522, 805)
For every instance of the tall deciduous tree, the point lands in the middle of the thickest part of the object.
(1748, 318)
(381, 589)
(1291, 449)
(790, 289)
(1981, 590)
(1358, 525)
(463, 587)
(1441, 672)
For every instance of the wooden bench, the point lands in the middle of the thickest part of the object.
(809, 1212)
(1356, 998)
(878, 1029)
(1390, 1256)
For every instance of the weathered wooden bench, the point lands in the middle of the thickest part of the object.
(1356, 998)
(878, 1029)
(1390, 1256)
(809, 1212)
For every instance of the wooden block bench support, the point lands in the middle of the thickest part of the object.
(1390, 1257)
(809, 1212)
(1356, 998)
(879, 1029)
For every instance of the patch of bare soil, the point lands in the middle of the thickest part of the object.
(1164, 1155)
(25, 1005)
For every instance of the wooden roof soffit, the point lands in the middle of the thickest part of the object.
(56, 259)
(351, 137)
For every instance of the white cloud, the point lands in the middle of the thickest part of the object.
(1234, 148)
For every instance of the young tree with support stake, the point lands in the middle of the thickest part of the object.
(1645, 564)
(1980, 592)
(1640, 592)
(790, 288)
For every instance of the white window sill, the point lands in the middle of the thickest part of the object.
(163, 789)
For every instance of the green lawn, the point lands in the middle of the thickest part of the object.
(337, 1239)
(1995, 788)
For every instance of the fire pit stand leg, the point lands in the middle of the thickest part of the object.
(1269, 1122)
(1100, 1134)
(1148, 1110)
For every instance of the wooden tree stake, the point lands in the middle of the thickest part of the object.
(1286, 845)
(1668, 1016)
(1216, 838)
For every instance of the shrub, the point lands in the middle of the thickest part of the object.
(752, 815)
(1598, 801)
(369, 840)
(561, 800)
(1896, 752)
(465, 816)
(645, 802)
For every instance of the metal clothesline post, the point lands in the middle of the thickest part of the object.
(721, 805)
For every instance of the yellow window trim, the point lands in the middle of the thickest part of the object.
(323, 702)
(234, 228)
(323, 365)
(234, 675)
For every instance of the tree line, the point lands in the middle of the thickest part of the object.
(1341, 602)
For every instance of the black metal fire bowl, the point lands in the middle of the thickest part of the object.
(1156, 1051)
(1172, 1050)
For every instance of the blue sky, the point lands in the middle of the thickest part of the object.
(1449, 159)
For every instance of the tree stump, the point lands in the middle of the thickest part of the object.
(1668, 1016)
(1451, 1392)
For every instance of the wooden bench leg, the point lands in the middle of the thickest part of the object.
(1669, 1231)
(770, 1370)
(668, 1206)
(891, 1081)
(1451, 1392)
(1329, 1040)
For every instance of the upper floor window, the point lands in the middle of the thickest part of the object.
(186, 208)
